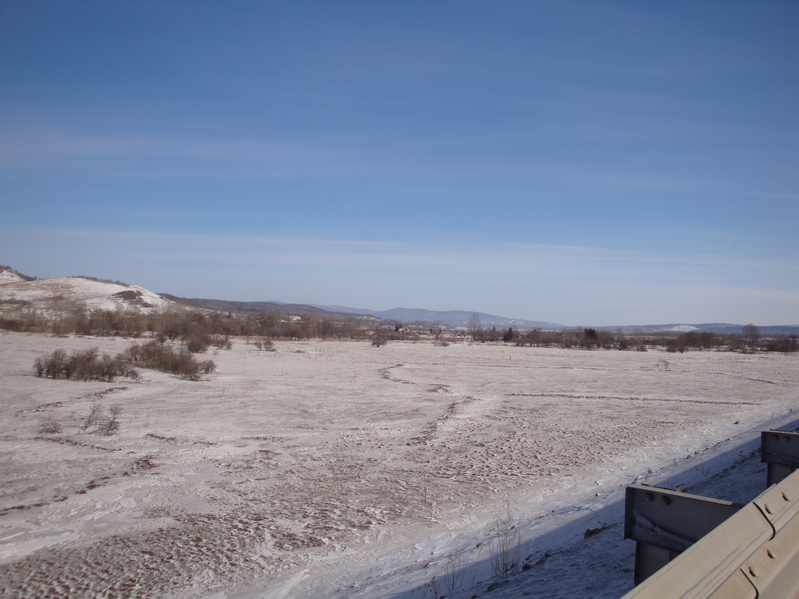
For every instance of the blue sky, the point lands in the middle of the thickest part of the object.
(593, 163)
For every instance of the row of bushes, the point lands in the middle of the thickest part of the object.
(86, 365)
(89, 365)
(164, 357)
(603, 339)
(200, 330)
(200, 342)
(178, 324)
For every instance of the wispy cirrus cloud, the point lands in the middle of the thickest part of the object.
(148, 155)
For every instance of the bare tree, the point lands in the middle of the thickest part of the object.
(751, 336)
(380, 337)
(476, 328)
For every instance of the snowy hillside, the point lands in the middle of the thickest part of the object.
(9, 276)
(93, 293)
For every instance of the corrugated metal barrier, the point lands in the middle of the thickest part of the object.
(696, 547)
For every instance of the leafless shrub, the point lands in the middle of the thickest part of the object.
(184, 365)
(198, 344)
(110, 425)
(83, 365)
(380, 336)
(265, 344)
(454, 572)
(55, 365)
(505, 546)
(207, 366)
(93, 417)
(50, 426)
(438, 338)
(221, 341)
(40, 366)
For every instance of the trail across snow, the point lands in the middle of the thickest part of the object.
(335, 469)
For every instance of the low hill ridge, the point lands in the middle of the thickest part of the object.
(93, 293)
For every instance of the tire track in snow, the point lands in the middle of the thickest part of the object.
(643, 399)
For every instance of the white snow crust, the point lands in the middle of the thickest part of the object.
(340, 470)
(9, 276)
(683, 328)
(94, 294)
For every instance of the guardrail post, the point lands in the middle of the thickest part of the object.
(664, 523)
(754, 554)
(780, 450)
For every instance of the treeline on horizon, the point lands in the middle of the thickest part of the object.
(199, 330)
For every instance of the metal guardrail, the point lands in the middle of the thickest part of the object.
(780, 450)
(697, 547)
(664, 523)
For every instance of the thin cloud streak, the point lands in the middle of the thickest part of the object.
(79, 154)
(151, 155)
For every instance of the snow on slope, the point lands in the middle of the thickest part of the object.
(683, 328)
(94, 294)
(9, 276)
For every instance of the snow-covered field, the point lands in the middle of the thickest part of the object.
(336, 469)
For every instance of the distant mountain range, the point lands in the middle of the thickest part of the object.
(260, 307)
(720, 328)
(452, 318)
(16, 288)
